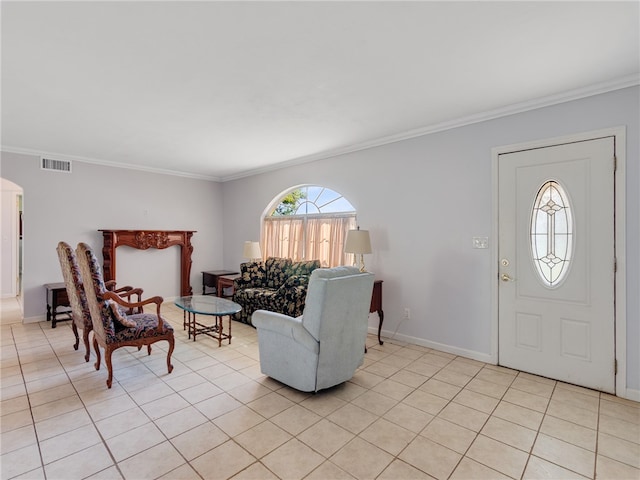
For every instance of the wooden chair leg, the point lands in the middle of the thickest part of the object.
(149, 349)
(85, 339)
(75, 332)
(171, 345)
(97, 349)
(107, 359)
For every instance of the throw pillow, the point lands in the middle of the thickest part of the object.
(118, 314)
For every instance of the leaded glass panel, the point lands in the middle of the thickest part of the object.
(551, 233)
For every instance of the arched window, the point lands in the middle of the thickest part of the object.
(309, 223)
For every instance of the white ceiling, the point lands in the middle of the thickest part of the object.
(222, 89)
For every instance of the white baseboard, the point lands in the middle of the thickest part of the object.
(39, 318)
(628, 393)
(480, 356)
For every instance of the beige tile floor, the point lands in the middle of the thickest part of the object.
(409, 413)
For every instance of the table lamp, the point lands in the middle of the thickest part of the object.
(358, 243)
(252, 251)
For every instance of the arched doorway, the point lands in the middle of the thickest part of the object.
(11, 241)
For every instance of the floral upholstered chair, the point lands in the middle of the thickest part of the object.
(77, 298)
(112, 328)
(277, 284)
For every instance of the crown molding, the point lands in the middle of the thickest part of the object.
(106, 163)
(596, 89)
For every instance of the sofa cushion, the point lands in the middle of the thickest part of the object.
(253, 274)
(277, 271)
(294, 281)
(303, 267)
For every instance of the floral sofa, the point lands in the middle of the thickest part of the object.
(277, 284)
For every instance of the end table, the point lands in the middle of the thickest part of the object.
(210, 280)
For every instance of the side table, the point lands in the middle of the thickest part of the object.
(57, 297)
(376, 305)
(225, 281)
(210, 280)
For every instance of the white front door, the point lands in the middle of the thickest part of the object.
(557, 271)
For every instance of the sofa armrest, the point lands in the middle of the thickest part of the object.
(290, 300)
(286, 326)
(292, 282)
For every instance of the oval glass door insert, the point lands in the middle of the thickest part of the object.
(551, 233)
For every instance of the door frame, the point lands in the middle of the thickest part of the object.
(620, 298)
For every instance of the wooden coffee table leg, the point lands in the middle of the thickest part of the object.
(229, 329)
(219, 325)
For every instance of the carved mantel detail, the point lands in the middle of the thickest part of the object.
(143, 240)
(147, 240)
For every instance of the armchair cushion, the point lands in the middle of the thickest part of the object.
(145, 325)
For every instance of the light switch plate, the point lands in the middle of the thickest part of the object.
(480, 242)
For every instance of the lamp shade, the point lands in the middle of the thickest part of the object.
(358, 242)
(251, 250)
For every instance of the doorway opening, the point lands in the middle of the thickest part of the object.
(12, 215)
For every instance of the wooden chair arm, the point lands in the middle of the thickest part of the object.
(122, 302)
(126, 288)
(131, 305)
(130, 291)
(111, 286)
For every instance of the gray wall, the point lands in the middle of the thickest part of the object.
(424, 199)
(72, 207)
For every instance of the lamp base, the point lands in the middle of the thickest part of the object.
(362, 270)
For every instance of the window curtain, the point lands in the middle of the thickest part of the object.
(283, 237)
(312, 237)
(326, 237)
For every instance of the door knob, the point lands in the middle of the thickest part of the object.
(506, 278)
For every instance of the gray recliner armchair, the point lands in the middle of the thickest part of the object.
(325, 345)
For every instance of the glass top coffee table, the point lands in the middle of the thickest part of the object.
(207, 305)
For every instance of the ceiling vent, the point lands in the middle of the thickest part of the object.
(55, 165)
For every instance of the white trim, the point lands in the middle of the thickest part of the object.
(618, 84)
(15, 242)
(632, 395)
(462, 352)
(105, 163)
(619, 134)
(621, 258)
